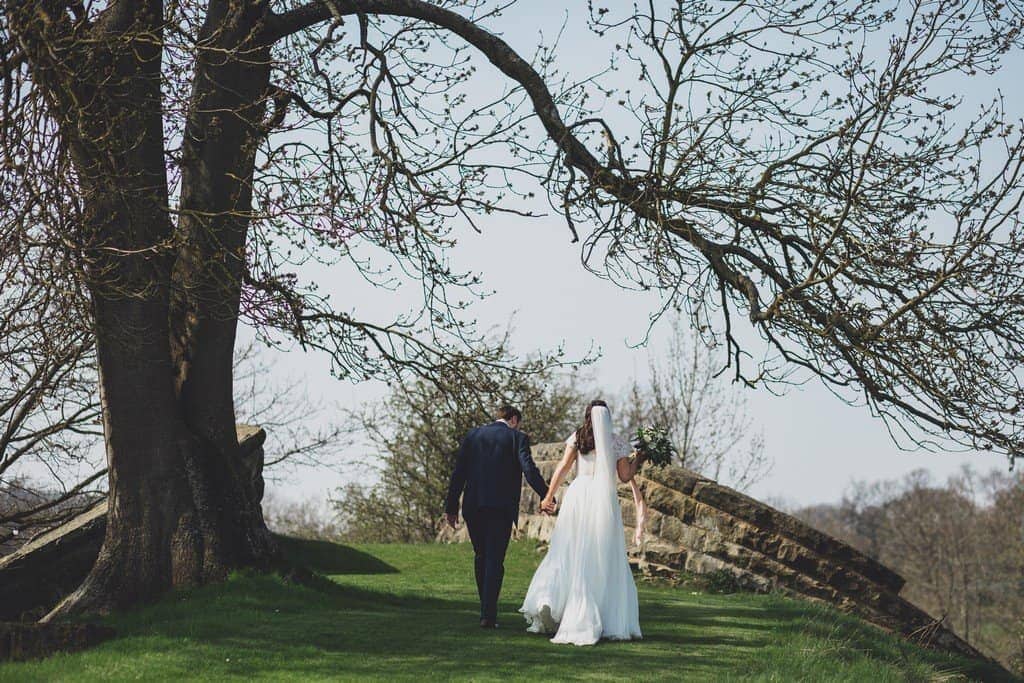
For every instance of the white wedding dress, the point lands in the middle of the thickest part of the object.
(583, 590)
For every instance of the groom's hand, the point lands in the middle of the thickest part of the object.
(452, 519)
(549, 507)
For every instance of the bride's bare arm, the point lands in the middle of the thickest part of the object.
(568, 458)
(628, 467)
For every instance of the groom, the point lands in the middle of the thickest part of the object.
(488, 474)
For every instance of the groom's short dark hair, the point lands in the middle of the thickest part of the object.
(507, 412)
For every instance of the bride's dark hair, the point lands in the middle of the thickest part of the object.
(585, 434)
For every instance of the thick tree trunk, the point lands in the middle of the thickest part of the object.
(182, 510)
(219, 151)
(152, 538)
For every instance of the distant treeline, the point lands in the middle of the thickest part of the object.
(959, 544)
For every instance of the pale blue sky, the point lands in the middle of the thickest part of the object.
(817, 443)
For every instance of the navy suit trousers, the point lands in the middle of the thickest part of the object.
(489, 530)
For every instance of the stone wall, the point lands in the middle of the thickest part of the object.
(699, 526)
(47, 567)
(25, 641)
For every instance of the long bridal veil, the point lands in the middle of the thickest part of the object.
(606, 463)
(583, 590)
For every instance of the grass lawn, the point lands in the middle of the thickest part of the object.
(409, 612)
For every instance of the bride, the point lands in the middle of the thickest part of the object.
(583, 590)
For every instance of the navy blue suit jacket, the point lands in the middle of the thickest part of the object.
(489, 471)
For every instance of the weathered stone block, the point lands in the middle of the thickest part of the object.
(38, 574)
(23, 641)
(672, 530)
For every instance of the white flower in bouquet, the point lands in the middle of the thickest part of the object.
(655, 444)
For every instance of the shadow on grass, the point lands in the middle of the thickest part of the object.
(272, 628)
(332, 558)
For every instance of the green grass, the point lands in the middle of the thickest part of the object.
(395, 612)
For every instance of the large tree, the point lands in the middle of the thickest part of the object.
(804, 164)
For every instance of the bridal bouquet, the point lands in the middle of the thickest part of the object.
(655, 444)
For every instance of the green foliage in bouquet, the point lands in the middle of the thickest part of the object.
(655, 445)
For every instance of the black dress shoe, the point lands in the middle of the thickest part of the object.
(487, 623)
